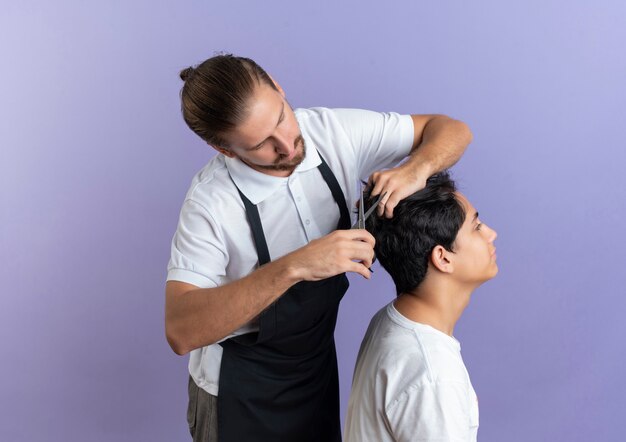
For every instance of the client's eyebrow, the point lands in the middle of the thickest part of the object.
(475, 217)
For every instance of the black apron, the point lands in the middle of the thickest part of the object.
(281, 384)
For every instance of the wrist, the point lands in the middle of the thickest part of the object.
(420, 168)
(289, 269)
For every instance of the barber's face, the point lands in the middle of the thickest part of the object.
(474, 257)
(269, 139)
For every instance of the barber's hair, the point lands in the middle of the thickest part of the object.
(430, 217)
(214, 98)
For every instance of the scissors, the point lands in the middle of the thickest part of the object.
(362, 217)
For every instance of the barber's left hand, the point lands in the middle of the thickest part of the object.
(399, 183)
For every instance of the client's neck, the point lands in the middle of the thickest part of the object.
(435, 302)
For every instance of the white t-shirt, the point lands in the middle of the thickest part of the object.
(410, 384)
(213, 243)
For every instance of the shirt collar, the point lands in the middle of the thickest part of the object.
(257, 186)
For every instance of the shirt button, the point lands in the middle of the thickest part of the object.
(307, 222)
(298, 199)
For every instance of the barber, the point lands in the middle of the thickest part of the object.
(258, 261)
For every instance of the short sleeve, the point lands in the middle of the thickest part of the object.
(380, 140)
(198, 253)
(432, 412)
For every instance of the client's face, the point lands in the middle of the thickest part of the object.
(475, 253)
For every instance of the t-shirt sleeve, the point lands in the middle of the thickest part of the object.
(379, 139)
(198, 254)
(431, 412)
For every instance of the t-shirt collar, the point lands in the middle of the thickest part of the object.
(402, 320)
(257, 186)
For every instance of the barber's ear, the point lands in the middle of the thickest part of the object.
(223, 151)
(280, 89)
(440, 258)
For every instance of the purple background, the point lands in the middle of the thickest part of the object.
(95, 161)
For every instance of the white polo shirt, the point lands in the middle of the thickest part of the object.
(213, 244)
(410, 384)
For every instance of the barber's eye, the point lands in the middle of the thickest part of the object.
(478, 226)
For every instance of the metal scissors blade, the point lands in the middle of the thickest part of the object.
(362, 217)
(373, 206)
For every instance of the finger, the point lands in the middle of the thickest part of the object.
(361, 235)
(369, 262)
(358, 251)
(364, 256)
(391, 204)
(371, 181)
(382, 203)
(379, 184)
(359, 268)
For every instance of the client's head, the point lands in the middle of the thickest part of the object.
(435, 232)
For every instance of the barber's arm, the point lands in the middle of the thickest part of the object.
(196, 317)
(438, 143)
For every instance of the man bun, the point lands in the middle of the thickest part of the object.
(216, 95)
(185, 73)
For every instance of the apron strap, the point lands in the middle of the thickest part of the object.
(254, 220)
(335, 189)
(267, 319)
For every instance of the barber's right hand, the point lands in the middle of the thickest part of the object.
(338, 252)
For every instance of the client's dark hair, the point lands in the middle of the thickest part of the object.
(429, 217)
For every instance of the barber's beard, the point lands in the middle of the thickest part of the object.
(282, 164)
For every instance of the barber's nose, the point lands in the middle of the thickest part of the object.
(282, 145)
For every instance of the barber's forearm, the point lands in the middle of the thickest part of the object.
(198, 317)
(201, 317)
(442, 144)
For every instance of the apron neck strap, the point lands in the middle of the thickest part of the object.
(335, 189)
(252, 213)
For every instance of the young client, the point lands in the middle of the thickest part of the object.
(410, 382)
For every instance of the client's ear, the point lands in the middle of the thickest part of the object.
(440, 259)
